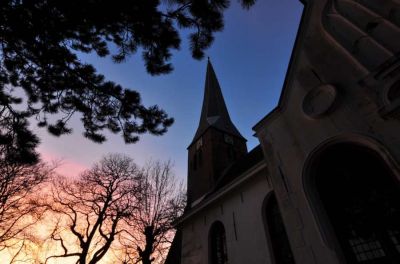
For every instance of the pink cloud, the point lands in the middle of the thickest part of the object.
(66, 167)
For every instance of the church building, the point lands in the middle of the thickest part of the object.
(323, 186)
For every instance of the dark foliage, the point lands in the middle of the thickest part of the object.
(39, 41)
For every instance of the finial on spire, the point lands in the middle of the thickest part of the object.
(208, 58)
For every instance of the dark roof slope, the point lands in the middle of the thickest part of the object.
(234, 172)
(240, 166)
(214, 112)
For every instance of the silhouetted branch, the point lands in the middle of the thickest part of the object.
(18, 184)
(161, 202)
(92, 208)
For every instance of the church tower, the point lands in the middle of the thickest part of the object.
(217, 143)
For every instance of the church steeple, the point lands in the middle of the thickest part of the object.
(217, 143)
(214, 112)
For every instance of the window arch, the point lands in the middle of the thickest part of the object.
(217, 244)
(194, 161)
(200, 157)
(359, 198)
(280, 245)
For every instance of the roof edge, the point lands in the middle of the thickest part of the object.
(293, 57)
(223, 191)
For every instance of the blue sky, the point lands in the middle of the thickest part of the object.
(250, 58)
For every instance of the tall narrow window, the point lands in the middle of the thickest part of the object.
(218, 250)
(282, 252)
(231, 153)
(200, 157)
(360, 197)
(195, 161)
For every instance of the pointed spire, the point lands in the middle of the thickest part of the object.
(214, 112)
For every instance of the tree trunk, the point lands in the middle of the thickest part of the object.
(145, 254)
(82, 260)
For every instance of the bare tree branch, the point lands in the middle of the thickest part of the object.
(161, 202)
(18, 185)
(92, 207)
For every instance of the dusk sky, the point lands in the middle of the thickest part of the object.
(250, 58)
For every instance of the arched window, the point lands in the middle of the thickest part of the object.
(360, 198)
(218, 251)
(231, 153)
(200, 157)
(281, 250)
(194, 161)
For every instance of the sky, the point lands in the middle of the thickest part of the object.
(250, 57)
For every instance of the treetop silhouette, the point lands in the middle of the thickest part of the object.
(39, 42)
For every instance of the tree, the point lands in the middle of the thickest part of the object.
(39, 42)
(89, 211)
(161, 202)
(17, 212)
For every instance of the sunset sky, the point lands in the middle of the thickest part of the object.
(250, 58)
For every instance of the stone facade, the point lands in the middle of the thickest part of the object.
(342, 89)
(345, 62)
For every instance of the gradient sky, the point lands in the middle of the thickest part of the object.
(250, 58)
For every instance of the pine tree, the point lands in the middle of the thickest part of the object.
(39, 42)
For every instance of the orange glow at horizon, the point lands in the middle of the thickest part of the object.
(39, 247)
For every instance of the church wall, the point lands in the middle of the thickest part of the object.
(288, 155)
(334, 92)
(343, 85)
(241, 212)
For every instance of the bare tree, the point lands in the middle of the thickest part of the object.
(161, 202)
(90, 210)
(18, 183)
